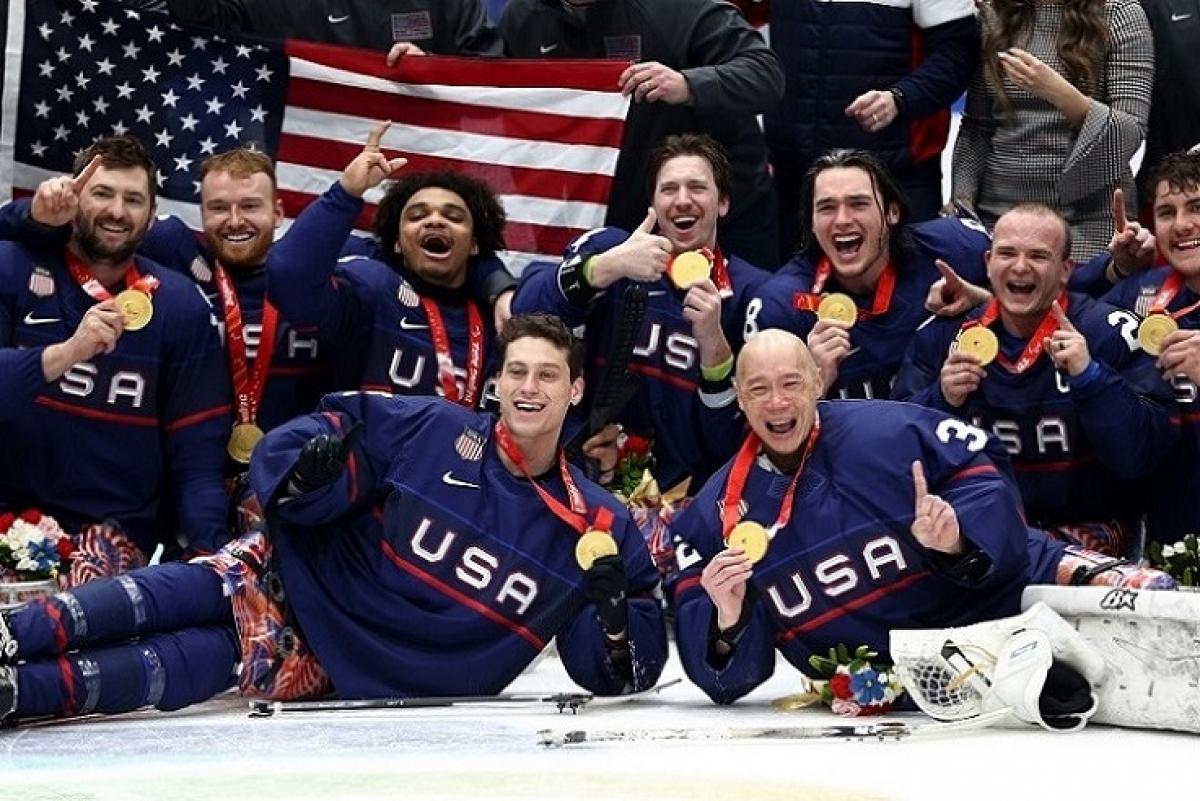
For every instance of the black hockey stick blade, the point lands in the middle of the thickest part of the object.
(617, 385)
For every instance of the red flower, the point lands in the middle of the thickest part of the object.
(635, 444)
(6, 521)
(65, 548)
(840, 684)
(31, 516)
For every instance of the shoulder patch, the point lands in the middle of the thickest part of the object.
(407, 295)
(41, 282)
(469, 445)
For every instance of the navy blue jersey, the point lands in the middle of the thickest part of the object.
(1175, 488)
(846, 569)
(107, 439)
(370, 311)
(695, 428)
(429, 569)
(878, 342)
(1078, 451)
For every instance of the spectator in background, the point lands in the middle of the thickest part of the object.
(1056, 111)
(443, 27)
(699, 68)
(1175, 104)
(869, 75)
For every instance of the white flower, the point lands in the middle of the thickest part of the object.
(1168, 551)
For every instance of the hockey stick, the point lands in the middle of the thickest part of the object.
(884, 730)
(562, 701)
(617, 385)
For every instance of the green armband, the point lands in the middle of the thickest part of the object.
(718, 372)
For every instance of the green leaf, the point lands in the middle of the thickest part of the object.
(843, 654)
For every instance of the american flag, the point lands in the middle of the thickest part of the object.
(544, 134)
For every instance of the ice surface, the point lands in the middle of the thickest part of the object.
(217, 751)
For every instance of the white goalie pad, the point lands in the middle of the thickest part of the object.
(959, 673)
(1150, 642)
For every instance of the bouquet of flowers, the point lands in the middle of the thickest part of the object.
(852, 684)
(634, 462)
(1181, 560)
(33, 547)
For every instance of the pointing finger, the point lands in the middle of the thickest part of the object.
(953, 282)
(1118, 210)
(376, 135)
(1061, 317)
(81, 180)
(920, 486)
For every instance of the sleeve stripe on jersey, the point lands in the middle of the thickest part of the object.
(96, 414)
(976, 470)
(491, 614)
(199, 417)
(851, 606)
(685, 584)
(1055, 467)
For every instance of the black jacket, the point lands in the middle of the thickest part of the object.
(444, 27)
(1175, 105)
(732, 73)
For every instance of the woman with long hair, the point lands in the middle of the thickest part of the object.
(1056, 111)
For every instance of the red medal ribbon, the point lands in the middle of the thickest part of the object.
(445, 362)
(575, 515)
(91, 285)
(1033, 348)
(885, 288)
(736, 483)
(248, 387)
(1166, 293)
(720, 272)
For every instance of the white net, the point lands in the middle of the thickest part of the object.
(947, 681)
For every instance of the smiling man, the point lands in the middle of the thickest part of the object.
(1064, 383)
(693, 322)
(789, 547)
(421, 548)
(113, 392)
(408, 325)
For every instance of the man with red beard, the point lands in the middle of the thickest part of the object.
(856, 290)
(113, 391)
(1169, 299)
(693, 323)
(1059, 378)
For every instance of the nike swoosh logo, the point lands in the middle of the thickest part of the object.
(457, 482)
(1179, 17)
(31, 320)
(548, 48)
(335, 20)
(405, 325)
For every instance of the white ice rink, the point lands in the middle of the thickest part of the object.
(217, 751)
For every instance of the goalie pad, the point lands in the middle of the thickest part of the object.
(1150, 642)
(1033, 664)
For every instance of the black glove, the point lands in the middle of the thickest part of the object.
(605, 585)
(323, 459)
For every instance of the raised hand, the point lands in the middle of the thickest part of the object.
(935, 524)
(961, 374)
(1034, 75)
(323, 459)
(829, 342)
(370, 167)
(1181, 355)
(641, 257)
(950, 295)
(1066, 346)
(97, 333)
(724, 579)
(702, 308)
(1132, 246)
(57, 199)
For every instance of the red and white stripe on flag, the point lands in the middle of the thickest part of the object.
(545, 135)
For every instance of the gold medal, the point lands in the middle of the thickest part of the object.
(689, 268)
(752, 538)
(1153, 330)
(136, 308)
(979, 342)
(594, 544)
(242, 440)
(838, 307)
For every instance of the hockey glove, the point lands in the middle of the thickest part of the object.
(605, 586)
(323, 459)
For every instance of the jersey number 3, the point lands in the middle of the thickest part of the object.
(974, 438)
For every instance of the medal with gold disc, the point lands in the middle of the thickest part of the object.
(594, 544)
(242, 440)
(752, 538)
(1153, 330)
(136, 307)
(839, 308)
(980, 342)
(690, 267)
